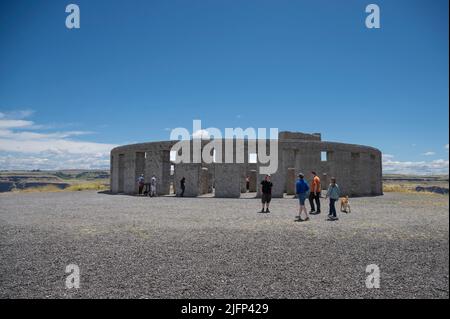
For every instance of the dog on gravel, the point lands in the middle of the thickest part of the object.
(345, 205)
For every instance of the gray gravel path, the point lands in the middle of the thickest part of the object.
(132, 247)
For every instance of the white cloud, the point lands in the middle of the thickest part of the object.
(430, 153)
(436, 167)
(22, 147)
(55, 145)
(18, 114)
(53, 161)
(6, 123)
(446, 147)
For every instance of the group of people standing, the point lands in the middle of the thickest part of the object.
(303, 192)
(150, 188)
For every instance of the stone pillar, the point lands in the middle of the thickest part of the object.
(242, 156)
(114, 184)
(191, 172)
(290, 181)
(130, 179)
(253, 179)
(243, 177)
(204, 181)
(376, 174)
(157, 163)
(287, 161)
(324, 181)
(278, 178)
(139, 168)
(121, 173)
(210, 181)
(164, 187)
(227, 180)
(341, 168)
(365, 172)
(278, 184)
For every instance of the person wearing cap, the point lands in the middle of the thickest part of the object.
(314, 195)
(302, 189)
(266, 194)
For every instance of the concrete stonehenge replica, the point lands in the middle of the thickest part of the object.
(357, 168)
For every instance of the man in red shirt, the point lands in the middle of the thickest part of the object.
(314, 194)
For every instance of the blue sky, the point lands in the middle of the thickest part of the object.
(136, 69)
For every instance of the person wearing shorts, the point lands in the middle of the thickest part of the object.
(266, 194)
(302, 189)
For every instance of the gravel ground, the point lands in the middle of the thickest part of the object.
(133, 247)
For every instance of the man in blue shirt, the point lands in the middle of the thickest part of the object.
(302, 189)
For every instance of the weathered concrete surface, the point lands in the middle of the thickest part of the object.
(204, 181)
(290, 181)
(192, 174)
(357, 168)
(114, 173)
(278, 182)
(325, 181)
(299, 136)
(157, 163)
(129, 173)
(243, 177)
(228, 181)
(253, 179)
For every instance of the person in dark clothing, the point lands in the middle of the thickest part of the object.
(266, 194)
(182, 186)
(247, 183)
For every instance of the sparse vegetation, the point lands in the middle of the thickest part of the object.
(398, 188)
(72, 188)
(38, 189)
(410, 184)
(63, 175)
(88, 186)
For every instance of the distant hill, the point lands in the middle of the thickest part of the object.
(416, 183)
(400, 177)
(61, 179)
